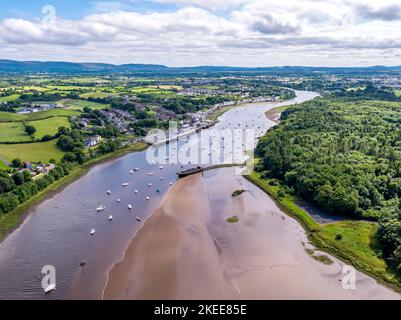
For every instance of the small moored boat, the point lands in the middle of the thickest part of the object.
(93, 232)
(101, 208)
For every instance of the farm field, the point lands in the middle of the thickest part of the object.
(12, 97)
(95, 95)
(13, 132)
(80, 104)
(49, 126)
(35, 152)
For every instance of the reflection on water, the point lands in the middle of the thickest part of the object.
(56, 232)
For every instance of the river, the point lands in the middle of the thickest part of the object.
(57, 231)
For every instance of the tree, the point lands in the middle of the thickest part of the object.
(69, 157)
(30, 130)
(17, 163)
(18, 178)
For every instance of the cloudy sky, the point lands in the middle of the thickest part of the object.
(204, 32)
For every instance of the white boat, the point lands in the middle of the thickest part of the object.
(131, 172)
(129, 206)
(108, 191)
(149, 184)
(136, 191)
(118, 200)
(171, 183)
(110, 218)
(138, 219)
(148, 198)
(161, 178)
(151, 173)
(161, 167)
(125, 184)
(136, 169)
(93, 232)
(101, 208)
(50, 288)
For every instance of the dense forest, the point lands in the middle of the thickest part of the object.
(345, 157)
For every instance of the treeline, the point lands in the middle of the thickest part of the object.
(369, 92)
(26, 187)
(343, 156)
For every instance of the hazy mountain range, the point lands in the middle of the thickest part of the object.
(11, 66)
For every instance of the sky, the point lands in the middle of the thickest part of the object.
(249, 33)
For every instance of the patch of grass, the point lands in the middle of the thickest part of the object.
(36, 152)
(13, 132)
(233, 219)
(12, 97)
(3, 166)
(95, 95)
(51, 113)
(397, 93)
(323, 259)
(49, 126)
(8, 117)
(80, 104)
(219, 112)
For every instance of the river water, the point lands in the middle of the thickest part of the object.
(57, 231)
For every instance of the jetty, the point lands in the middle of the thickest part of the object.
(191, 171)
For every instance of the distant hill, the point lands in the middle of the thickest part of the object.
(9, 66)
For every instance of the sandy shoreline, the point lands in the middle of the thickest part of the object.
(172, 253)
(187, 250)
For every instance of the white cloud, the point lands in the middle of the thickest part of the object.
(250, 33)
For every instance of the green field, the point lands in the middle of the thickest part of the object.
(3, 166)
(40, 151)
(9, 117)
(13, 132)
(45, 122)
(80, 104)
(13, 97)
(397, 93)
(95, 95)
(49, 126)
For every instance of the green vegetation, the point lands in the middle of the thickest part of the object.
(49, 126)
(3, 166)
(345, 157)
(13, 132)
(233, 219)
(36, 152)
(219, 112)
(12, 97)
(81, 104)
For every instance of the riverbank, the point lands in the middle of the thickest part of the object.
(190, 249)
(15, 218)
(351, 241)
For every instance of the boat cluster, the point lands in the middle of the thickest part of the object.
(129, 206)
